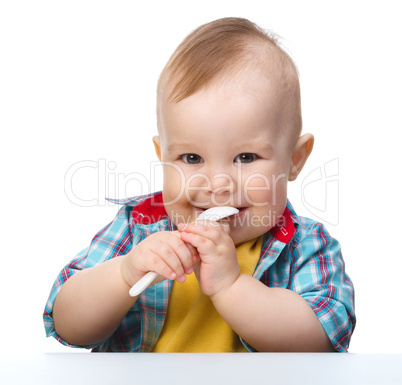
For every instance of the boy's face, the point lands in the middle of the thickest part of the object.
(225, 146)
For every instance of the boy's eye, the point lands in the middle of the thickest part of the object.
(192, 158)
(245, 157)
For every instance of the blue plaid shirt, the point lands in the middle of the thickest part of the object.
(298, 255)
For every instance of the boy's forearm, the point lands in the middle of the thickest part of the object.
(91, 304)
(271, 319)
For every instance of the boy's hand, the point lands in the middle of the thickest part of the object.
(164, 253)
(218, 268)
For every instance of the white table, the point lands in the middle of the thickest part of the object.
(203, 369)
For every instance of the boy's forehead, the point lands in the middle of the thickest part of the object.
(275, 75)
(234, 110)
(254, 81)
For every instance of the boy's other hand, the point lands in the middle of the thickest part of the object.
(164, 253)
(217, 268)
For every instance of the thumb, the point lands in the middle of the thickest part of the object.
(225, 224)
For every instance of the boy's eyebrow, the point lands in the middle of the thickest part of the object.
(259, 146)
(177, 146)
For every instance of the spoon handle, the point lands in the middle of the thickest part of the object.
(143, 283)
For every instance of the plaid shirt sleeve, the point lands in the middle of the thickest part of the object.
(319, 276)
(113, 240)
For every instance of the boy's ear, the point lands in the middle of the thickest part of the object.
(301, 152)
(157, 145)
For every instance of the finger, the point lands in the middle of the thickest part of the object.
(208, 229)
(194, 253)
(188, 259)
(170, 256)
(185, 252)
(202, 244)
(225, 224)
(158, 265)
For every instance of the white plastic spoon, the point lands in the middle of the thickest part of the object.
(212, 214)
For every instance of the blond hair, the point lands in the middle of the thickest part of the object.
(220, 48)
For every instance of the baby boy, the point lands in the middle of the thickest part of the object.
(265, 279)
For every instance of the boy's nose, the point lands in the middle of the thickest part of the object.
(222, 184)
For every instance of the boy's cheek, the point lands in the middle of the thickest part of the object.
(262, 191)
(173, 185)
(184, 192)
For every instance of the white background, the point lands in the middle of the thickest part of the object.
(77, 90)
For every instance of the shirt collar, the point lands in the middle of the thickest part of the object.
(149, 208)
(286, 226)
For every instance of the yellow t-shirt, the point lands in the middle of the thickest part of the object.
(192, 324)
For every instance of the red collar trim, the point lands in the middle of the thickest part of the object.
(284, 228)
(150, 210)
